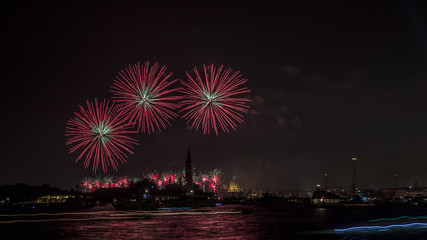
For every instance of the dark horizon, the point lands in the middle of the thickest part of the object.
(329, 81)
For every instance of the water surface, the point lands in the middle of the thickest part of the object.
(221, 222)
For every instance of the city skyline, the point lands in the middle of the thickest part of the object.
(329, 81)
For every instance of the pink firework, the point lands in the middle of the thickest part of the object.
(215, 179)
(167, 177)
(198, 182)
(144, 94)
(204, 176)
(99, 131)
(212, 187)
(172, 177)
(212, 100)
(153, 176)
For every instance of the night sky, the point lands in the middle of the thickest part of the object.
(329, 81)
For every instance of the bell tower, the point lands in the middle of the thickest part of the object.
(189, 172)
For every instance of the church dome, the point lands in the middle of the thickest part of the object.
(234, 186)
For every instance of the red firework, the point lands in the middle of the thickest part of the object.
(213, 100)
(144, 95)
(212, 187)
(100, 132)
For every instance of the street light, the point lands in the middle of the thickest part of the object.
(326, 182)
(353, 187)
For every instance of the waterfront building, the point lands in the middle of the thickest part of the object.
(59, 198)
(234, 187)
(325, 198)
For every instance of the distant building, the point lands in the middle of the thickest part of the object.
(55, 198)
(341, 191)
(234, 187)
(402, 192)
(325, 198)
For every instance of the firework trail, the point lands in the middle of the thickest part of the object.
(99, 131)
(212, 100)
(144, 93)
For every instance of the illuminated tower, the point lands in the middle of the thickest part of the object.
(189, 172)
(353, 186)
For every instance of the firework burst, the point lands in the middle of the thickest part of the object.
(99, 131)
(212, 100)
(144, 94)
(215, 176)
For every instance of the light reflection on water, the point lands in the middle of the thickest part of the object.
(173, 227)
(254, 223)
